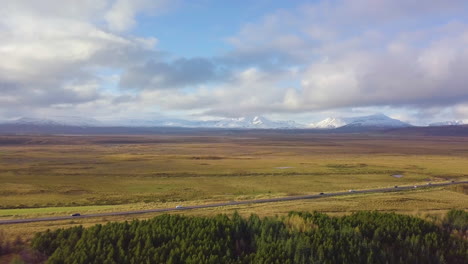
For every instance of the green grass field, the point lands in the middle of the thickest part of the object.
(60, 175)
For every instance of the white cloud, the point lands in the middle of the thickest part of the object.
(70, 9)
(364, 54)
(364, 68)
(121, 15)
(429, 75)
(52, 52)
(249, 91)
(461, 112)
(325, 56)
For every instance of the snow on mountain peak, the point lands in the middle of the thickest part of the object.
(376, 120)
(247, 122)
(328, 123)
(255, 122)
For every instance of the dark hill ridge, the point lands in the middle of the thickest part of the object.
(376, 121)
(248, 122)
(33, 129)
(27, 129)
(455, 131)
(41, 129)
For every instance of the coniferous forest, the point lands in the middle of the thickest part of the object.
(363, 237)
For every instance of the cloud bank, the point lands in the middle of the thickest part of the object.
(337, 56)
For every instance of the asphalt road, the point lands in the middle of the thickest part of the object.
(272, 200)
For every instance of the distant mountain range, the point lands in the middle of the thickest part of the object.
(255, 122)
(237, 123)
(329, 123)
(57, 121)
(377, 121)
(448, 123)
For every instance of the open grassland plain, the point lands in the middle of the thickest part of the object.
(60, 175)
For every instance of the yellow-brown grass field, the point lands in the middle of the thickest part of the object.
(59, 175)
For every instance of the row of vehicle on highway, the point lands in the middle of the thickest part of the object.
(351, 191)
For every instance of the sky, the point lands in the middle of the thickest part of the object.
(210, 59)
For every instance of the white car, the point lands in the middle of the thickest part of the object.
(351, 191)
(179, 207)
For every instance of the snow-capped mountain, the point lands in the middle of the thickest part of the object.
(448, 123)
(241, 122)
(255, 122)
(250, 122)
(328, 123)
(165, 122)
(57, 121)
(378, 120)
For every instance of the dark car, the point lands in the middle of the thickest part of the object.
(321, 193)
(76, 214)
(396, 186)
